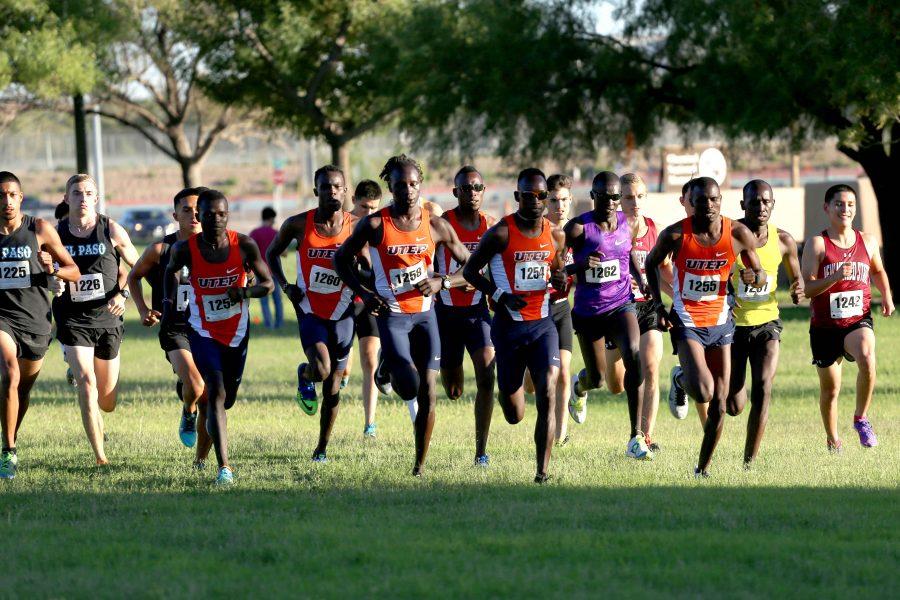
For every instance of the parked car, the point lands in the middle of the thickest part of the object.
(37, 208)
(146, 225)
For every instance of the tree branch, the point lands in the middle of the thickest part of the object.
(334, 54)
(110, 115)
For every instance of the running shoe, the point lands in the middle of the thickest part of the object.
(382, 378)
(187, 430)
(562, 442)
(369, 431)
(319, 457)
(9, 463)
(866, 434)
(70, 378)
(653, 446)
(835, 447)
(637, 448)
(577, 403)
(225, 477)
(678, 404)
(199, 465)
(698, 474)
(541, 478)
(306, 392)
(344, 380)
(482, 461)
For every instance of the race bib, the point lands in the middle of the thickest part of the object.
(753, 294)
(701, 288)
(531, 276)
(220, 307)
(403, 280)
(184, 295)
(846, 304)
(88, 287)
(324, 281)
(15, 275)
(607, 271)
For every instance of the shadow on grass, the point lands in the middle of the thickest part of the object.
(453, 540)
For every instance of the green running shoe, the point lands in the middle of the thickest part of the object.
(225, 477)
(9, 462)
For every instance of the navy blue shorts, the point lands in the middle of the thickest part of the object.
(336, 335)
(523, 344)
(211, 357)
(708, 337)
(463, 328)
(400, 332)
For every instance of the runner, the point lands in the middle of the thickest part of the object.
(522, 251)
(263, 236)
(366, 199)
(402, 238)
(604, 265)
(30, 251)
(643, 238)
(704, 248)
(324, 305)
(837, 266)
(757, 335)
(174, 339)
(463, 318)
(88, 313)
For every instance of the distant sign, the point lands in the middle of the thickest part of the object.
(682, 167)
(712, 164)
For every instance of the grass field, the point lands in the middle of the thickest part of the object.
(801, 523)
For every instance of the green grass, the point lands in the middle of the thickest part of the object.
(801, 522)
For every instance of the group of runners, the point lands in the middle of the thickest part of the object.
(421, 289)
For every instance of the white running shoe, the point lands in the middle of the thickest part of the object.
(577, 403)
(678, 404)
(637, 448)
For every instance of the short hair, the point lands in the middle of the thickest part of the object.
(400, 162)
(208, 196)
(686, 187)
(754, 185)
(605, 178)
(268, 213)
(191, 191)
(61, 211)
(367, 190)
(78, 178)
(701, 182)
(632, 179)
(8, 177)
(465, 170)
(528, 174)
(326, 169)
(834, 190)
(558, 181)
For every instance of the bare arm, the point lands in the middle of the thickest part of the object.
(253, 258)
(493, 242)
(366, 232)
(122, 243)
(51, 245)
(744, 242)
(791, 264)
(179, 257)
(443, 233)
(142, 268)
(879, 275)
(290, 230)
(813, 255)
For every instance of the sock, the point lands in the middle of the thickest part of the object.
(858, 418)
(413, 406)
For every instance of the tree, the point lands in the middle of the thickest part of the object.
(318, 68)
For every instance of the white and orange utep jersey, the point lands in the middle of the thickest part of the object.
(324, 293)
(523, 269)
(448, 265)
(700, 282)
(212, 313)
(400, 261)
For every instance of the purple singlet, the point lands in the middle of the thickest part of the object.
(608, 286)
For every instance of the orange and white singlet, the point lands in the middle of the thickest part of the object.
(212, 313)
(523, 269)
(324, 294)
(448, 265)
(400, 261)
(701, 278)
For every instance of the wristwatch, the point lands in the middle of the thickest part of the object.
(125, 294)
(445, 282)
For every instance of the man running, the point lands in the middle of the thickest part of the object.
(216, 259)
(366, 200)
(402, 238)
(88, 313)
(30, 251)
(704, 248)
(174, 339)
(324, 305)
(525, 253)
(837, 266)
(463, 318)
(757, 334)
(604, 309)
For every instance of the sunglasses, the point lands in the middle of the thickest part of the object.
(471, 187)
(542, 195)
(613, 197)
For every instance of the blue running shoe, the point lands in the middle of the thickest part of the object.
(482, 461)
(319, 457)
(344, 380)
(187, 430)
(226, 476)
(306, 392)
(369, 431)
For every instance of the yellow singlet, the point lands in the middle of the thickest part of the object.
(755, 306)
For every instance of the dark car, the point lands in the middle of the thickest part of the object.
(37, 208)
(145, 225)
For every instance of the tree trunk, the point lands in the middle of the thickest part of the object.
(340, 156)
(191, 172)
(882, 169)
(81, 156)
